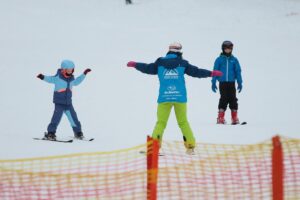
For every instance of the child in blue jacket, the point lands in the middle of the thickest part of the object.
(62, 98)
(229, 65)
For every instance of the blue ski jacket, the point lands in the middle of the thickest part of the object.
(63, 87)
(170, 70)
(230, 67)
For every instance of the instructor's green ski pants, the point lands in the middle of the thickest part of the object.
(163, 113)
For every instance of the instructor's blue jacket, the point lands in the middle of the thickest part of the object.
(170, 70)
(230, 67)
(63, 87)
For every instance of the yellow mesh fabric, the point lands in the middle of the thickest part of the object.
(291, 153)
(217, 171)
(104, 175)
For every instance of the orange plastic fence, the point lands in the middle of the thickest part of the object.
(291, 168)
(219, 171)
(103, 175)
(268, 170)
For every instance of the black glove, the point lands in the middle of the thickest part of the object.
(40, 76)
(87, 71)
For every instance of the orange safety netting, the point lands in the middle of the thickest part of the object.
(217, 171)
(103, 175)
(291, 162)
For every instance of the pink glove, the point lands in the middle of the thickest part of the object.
(216, 73)
(131, 64)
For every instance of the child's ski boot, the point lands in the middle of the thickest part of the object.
(234, 117)
(78, 135)
(221, 117)
(50, 136)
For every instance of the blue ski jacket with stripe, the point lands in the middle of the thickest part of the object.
(63, 87)
(230, 67)
(170, 70)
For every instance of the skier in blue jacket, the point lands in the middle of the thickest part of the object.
(172, 91)
(62, 98)
(229, 65)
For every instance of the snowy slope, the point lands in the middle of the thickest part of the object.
(117, 105)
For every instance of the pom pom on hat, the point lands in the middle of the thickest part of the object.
(175, 47)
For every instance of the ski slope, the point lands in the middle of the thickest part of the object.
(117, 105)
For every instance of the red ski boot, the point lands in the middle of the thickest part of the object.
(221, 119)
(234, 117)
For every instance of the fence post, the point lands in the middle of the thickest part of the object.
(277, 169)
(152, 168)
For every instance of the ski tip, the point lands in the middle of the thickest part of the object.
(57, 140)
(82, 139)
(243, 123)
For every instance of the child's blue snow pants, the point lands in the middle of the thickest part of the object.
(71, 114)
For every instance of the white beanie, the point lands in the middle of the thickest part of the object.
(175, 47)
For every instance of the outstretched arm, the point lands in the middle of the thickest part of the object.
(48, 79)
(147, 68)
(143, 67)
(80, 78)
(194, 71)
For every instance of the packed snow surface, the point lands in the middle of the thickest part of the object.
(117, 105)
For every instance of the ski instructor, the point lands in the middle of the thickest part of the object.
(172, 92)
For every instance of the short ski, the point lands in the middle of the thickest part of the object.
(57, 140)
(83, 139)
(243, 123)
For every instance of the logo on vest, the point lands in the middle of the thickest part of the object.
(171, 90)
(171, 74)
